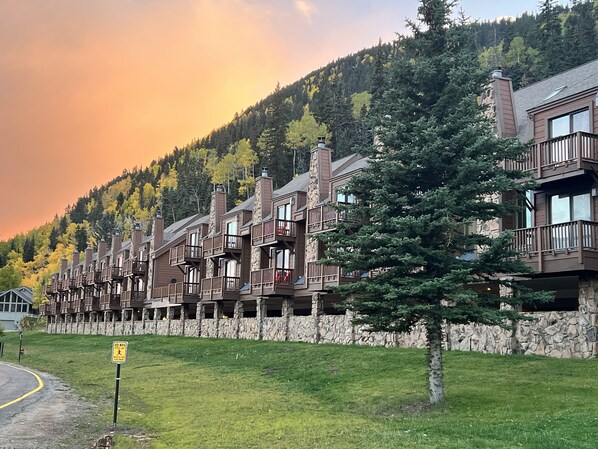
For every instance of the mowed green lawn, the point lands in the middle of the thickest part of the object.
(201, 393)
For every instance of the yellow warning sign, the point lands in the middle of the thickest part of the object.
(119, 351)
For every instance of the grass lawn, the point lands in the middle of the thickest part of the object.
(192, 393)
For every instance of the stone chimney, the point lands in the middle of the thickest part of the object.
(217, 210)
(498, 98)
(262, 206)
(157, 232)
(76, 259)
(101, 249)
(320, 172)
(135, 240)
(88, 257)
(117, 241)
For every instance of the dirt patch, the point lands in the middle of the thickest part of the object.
(55, 419)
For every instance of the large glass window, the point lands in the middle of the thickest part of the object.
(524, 216)
(560, 150)
(283, 212)
(564, 211)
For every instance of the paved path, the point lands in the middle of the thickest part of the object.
(37, 411)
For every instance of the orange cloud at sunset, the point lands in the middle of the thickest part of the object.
(91, 87)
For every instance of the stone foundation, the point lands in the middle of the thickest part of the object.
(553, 334)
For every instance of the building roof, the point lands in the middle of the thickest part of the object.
(552, 90)
(23, 292)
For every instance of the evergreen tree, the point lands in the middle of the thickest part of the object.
(80, 238)
(580, 37)
(53, 239)
(551, 46)
(29, 249)
(378, 79)
(436, 175)
(274, 153)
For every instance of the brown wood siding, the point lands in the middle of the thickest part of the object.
(245, 260)
(508, 113)
(541, 131)
(541, 212)
(299, 266)
(164, 273)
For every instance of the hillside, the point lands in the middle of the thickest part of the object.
(277, 132)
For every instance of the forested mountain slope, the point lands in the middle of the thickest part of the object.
(333, 101)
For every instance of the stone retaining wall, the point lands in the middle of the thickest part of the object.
(554, 334)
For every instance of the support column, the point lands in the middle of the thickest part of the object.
(184, 316)
(200, 315)
(217, 313)
(260, 314)
(113, 322)
(317, 307)
(588, 317)
(237, 317)
(144, 318)
(169, 318)
(287, 312)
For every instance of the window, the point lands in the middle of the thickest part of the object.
(283, 212)
(564, 211)
(231, 231)
(282, 260)
(564, 149)
(344, 198)
(524, 215)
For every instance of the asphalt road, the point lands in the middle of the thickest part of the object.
(50, 417)
(19, 388)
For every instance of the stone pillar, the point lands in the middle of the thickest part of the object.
(317, 308)
(200, 315)
(238, 315)
(169, 318)
(260, 314)
(217, 313)
(514, 345)
(184, 316)
(350, 317)
(287, 312)
(588, 317)
(144, 318)
(157, 318)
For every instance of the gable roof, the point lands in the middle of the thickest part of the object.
(23, 292)
(550, 91)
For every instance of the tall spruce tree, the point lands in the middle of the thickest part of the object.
(551, 39)
(435, 174)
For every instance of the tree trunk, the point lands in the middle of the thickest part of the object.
(435, 376)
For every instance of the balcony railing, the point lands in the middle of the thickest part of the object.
(222, 244)
(134, 267)
(132, 299)
(185, 254)
(92, 304)
(79, 305)
(44, 309)
(54, 308)
(110, 301)
(559, 247)
(272, 281)
(322, 218)
(222, 287)
(560, 155)
(67, 307)
(323, 277)
(112, 273)
(273, 231)
(63, 285)
(72, 282)
(81, 279)
(179, 293)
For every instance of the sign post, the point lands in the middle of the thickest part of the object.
(119, 356)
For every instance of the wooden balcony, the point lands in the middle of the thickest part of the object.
(110, 301)
(132, 299)
(179, 293)
(72, 283)
(53, 286)
(134, 268)
(96, 277)
(560, 157)
(322, 218)
(63, 285)
(112, 273)
(221, 245)
(324, 277)
(92, 304)
(185, 255)
(54, 308)
(272, 282)
(222, 287)
(272, 232)
(67, 307)
(81, 280)
(563, 247)
(79, 306)
(44, 309)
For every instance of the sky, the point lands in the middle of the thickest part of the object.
(89, 88)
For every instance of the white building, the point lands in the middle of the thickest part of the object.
(14, 305)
